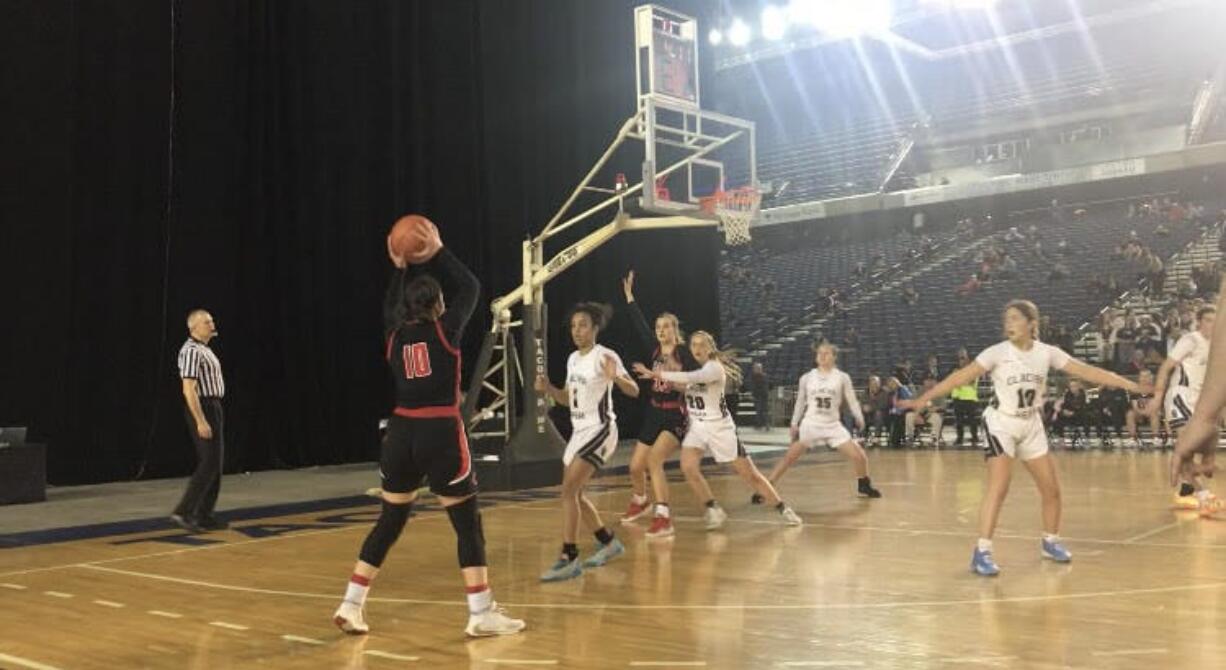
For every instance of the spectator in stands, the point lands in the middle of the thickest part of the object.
(1149, 335)
(860, 270)
(970, 286)
(1014, 235)
(1136, 412)
(931, 416)
(851, 339)
(903, 370)
(966, 403)
(1063, 337)
(1137, 363)
(898, 427)
(876, 407)
(761, 396)
(932, 369)
(1109, 411)
(1071, 413)
(1059, 272)
(909, 295)
(1123, 338)
(1008, 267)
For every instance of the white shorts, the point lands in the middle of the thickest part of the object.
(832, 435)
(1021, 438)
(594, 444)
(717, 438)
(1180, 401)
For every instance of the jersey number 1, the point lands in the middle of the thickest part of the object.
(416, 360)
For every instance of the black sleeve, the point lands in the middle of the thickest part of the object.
(460, 291)
(646, 338)
(393, 302)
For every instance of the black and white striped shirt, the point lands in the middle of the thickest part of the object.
(197, 361)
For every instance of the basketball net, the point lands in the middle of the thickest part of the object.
(736, 209)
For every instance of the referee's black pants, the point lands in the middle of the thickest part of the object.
(201, 494)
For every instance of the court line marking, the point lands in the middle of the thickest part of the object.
(231, 626)
(616, 606)
(58, 594)
(515, 661)
(823, 664)
(669, 664)
(1131, 652)
(109, 603)
(243, 543)
(389, 655)
(1150, 533)
(26, 663)
(979, 659)
(168, 615)
(303, 640)
(15, 587)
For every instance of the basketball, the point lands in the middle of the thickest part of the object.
(414, 238)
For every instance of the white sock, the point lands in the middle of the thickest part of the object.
(356, 591)
(1203, 495)
(1049, 537)
(662, 510)
(638, 499)
(480, 601)
(984, 544)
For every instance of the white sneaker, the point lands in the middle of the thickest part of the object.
(351, 619)
(790, 516)
(716, 516)
(493, 621)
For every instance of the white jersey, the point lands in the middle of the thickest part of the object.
(1019, 378)
(591, 392)
(1192, 354)
(704, 395)
(821, 395)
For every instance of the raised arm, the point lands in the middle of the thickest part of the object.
(1101, 377)
(960, 377)
(460, 291)
(709, 373)
(646, 338)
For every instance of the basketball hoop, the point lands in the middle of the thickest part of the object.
(736, 209)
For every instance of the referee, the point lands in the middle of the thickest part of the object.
(203, 389)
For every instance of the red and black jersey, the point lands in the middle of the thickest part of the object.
(424, 356)
(425, 365)
(663, 394)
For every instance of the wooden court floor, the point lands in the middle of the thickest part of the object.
(882, 584)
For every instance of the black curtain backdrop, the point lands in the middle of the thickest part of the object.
(299, 131)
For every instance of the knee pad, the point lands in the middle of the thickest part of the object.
(470, 537)
(385, 533)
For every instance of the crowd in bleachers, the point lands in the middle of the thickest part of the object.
(915, 307)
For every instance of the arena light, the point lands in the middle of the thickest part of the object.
(715, 37)
(962, 4)
(774, 22)
(844, 18)
(739, 33)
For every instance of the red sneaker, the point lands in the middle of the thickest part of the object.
(661, 526)
(635, 512)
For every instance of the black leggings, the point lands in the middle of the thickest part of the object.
(966, 413)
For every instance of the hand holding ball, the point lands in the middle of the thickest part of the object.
(414, 239)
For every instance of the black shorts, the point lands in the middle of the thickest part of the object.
(656, 421)
(434, 449)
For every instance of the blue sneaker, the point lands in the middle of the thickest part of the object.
(605, 553)
(982, 563)
(562, 570)
(1056, 552)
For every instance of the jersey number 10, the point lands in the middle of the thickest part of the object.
(416, 360)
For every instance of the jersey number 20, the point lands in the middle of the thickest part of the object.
(416, 360)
